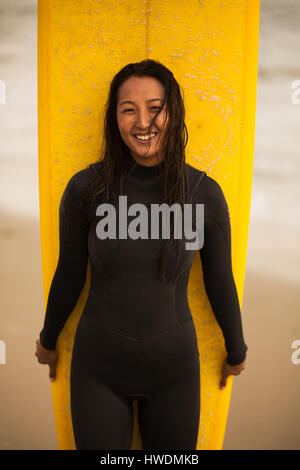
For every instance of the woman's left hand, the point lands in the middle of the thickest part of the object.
(229, 369)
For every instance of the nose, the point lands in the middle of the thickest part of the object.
(143, 119)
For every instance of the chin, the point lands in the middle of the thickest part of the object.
(146, 155)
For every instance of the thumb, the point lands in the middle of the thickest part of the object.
(52, 373)
(223, 380)
(223, 383)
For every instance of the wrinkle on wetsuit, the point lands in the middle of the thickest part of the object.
(136, 337)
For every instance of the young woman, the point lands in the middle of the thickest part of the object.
(136, 337)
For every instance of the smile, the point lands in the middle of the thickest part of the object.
(144, 139)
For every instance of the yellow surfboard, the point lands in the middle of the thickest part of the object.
(211, 46)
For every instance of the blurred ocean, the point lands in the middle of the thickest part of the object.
(18, 128)
(275, 221)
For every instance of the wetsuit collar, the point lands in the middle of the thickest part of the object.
(136, 169)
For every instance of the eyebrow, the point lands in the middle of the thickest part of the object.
(132, 102)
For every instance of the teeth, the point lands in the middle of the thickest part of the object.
(144, 137)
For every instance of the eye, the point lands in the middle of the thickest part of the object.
(130, 109)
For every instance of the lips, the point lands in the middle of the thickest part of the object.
(145, 140)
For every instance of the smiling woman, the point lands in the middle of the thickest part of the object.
(136, 338)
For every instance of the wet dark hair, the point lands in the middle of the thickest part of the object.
(114, 154)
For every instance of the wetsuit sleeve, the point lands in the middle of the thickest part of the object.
(70, 274)
(217, 271)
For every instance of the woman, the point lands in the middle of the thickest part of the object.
(136, 337)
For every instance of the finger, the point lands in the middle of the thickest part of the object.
(52, 373)
(223, 383)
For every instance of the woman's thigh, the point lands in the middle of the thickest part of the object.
(102, 420)
(170, 418)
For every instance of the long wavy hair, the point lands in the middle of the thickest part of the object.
(114, 154)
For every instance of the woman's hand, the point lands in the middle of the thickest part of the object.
(47, 356)
(229, 369)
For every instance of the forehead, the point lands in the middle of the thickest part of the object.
(140, 89)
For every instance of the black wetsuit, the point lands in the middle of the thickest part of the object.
(136, 337)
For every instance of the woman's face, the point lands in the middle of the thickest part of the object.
(145, 95)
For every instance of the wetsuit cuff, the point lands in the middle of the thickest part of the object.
(234, 359)
(46, 343)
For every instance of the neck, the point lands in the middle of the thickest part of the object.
(137, 169)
